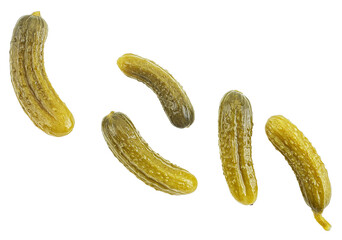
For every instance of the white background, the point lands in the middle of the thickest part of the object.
(285, 56)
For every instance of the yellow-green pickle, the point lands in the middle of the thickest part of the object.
(29, 79)
(172, 97)
(133, 152)
(235, 131)
(305, 162)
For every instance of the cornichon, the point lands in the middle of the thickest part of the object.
(235, 131)
(305, 162)
(172, 97)
(30, 82)
(133, 152)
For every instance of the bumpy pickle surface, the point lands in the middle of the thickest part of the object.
(305, 162)
(172, 97)
(29, 79)
(133, 152)
(235, 131)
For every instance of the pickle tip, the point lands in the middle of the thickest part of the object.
(37, 14)
(321, 220)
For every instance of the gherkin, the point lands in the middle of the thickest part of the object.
(175, 102)
(235, 131)
(29, 79)
(307, 165)
(133, 152)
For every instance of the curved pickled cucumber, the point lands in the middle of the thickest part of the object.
(30, 82)
(134, 153)
(172, 97)
(305, 162)
(235, 131)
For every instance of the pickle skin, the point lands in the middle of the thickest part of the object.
(235, 131)
(310, 171)
(133, 152)
(172, 97)
(29, 79)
